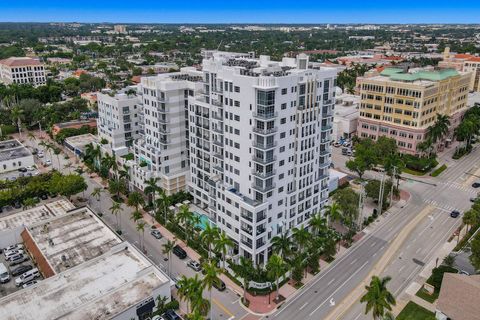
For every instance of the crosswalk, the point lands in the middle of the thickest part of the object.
(460, 186)
(440, 205)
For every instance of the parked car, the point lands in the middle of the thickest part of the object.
(337, 144)
(219, 285)
(27, 277)
(29, 284)
(40, 154)
(157, 317)
(18, 259)
(30, 168)
(156, 234)
(179, 252)
(11, 253)
(13, 247)
(171, 315)
(194, 265)
(47, 162)
(454, 214)
(22, 169)
(464, 272)
(21, 269)
(4, 275)
(476, 185)
(44, 196)
(17, 205)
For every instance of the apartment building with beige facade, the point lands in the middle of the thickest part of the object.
(22, 70)
(464, 63)
(403, 104)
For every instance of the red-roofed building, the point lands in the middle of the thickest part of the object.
(463, 62)
(22, 70)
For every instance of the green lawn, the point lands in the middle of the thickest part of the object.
(437, 172)
(413, 311)
(422, 293)
(413, 172)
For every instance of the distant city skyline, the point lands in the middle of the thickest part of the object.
(247, 11)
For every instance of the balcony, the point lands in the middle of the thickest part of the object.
(217, 90)
(326, 128)
(217, 143)
(264, 160)
(325, 164)
(164, 131)
(263, 175)
(218, 168)
(265, 116)
(264, 146)
(217, 103)
(217, 117)
(265, 131)
(263, 189)
(324, 152)
(246, 217)
(218, 156)
(261, 230)
(246, 228)
(217, 130)
(164, 121)
(260, 243)
(247, 243)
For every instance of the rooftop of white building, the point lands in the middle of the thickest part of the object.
(98, 289)
(73, 238)
(13, 149)
(35, 215)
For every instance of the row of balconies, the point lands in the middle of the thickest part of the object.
(264, 146)
(265, 116)
(265, 131)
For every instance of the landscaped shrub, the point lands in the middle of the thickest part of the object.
(422, 164)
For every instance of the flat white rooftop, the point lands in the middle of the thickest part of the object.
(35, 215)
(73, 238)
(97, 289)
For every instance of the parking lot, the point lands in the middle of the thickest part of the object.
(10, 287)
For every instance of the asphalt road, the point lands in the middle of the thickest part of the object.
(328, 288)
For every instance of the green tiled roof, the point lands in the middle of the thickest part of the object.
(437, 75)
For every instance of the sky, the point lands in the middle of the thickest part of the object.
(245, 11)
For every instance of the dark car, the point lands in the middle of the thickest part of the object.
(476, 185)
(17, 205)
(156, 234)
(454, 214)
(179, 252)
(171, 315)
(22, 169)
(219, 285)
(21, 269)
(44, 196)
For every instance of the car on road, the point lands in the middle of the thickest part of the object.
(30, 168)
(21, 269)
(454, 214)
(22, 169)
(476, 185)
(219, 285)
(473, 199)
(179, 252)
(337, 144)
(40, 154)
(44, 196)
(47, 162)
(194, 265)
(156, 234)
(171, 315)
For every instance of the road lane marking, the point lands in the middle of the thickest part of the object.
(418, 250)
(221, 306)
(374, 254)
(341, 286)
(358, 316)
(330, 282)
(304, 305)
(353, 261)
(373, 244)
(400, 270)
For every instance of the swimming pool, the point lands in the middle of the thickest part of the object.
(204, 221)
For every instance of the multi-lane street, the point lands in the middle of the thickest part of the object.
(449, 191)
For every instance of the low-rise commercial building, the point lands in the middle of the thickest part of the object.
(402, 104)
(14, 155)
(22, 70)
(458, 298)
(466, 63)
(345, 117)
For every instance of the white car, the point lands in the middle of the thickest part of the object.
(11, 253)
(30, 168)
(47, 162)
(13, 247)
(29, 284)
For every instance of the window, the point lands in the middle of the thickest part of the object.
(236, 89)
(284, 91)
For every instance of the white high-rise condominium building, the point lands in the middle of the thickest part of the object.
(118, 120)
(162, 150)
(22, 70)
(260, 146)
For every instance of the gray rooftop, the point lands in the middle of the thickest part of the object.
(12, 149)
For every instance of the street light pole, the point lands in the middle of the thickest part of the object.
(393, 183)
(381, 192)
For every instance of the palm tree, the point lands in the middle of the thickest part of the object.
(136, 215)
(135, 200)
(141, 231)
(471, 217)
(184, 216)
(222, 244)
(190, 290)
(16, 114)
(115, 210)
(211, 273)
(150, 190)
(167, 249)
(245, 271)
(115, 187)
(96, 193)
(282, 245)
(31, 136)
(301, 237)
(377, 298)
(195, 315)
(57, 152)
(164, 203)
(276, 267)
(333, 213)
(318, 223)
(209, 236)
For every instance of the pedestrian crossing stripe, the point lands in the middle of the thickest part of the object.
(438, 205)
(460, 186)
